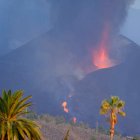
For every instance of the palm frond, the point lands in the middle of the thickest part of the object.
(12, 124)
(122, 113)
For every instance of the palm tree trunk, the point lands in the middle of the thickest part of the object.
(8, 132)
(112, 125)
(111, 136)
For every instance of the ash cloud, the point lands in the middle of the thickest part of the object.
(86, 18)
(82, 23)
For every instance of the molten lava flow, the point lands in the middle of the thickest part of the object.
(100, 56)
(66, 110)
(74, 119)
(64, 105)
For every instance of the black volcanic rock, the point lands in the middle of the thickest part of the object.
(122, 80)
(46, 67)
(21, 22)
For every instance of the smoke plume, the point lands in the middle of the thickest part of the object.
(86, 24)
(87, 18)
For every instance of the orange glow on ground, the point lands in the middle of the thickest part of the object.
(64, 105)
(74, 120)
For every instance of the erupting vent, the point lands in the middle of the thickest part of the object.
(100, 55)
(101, 58)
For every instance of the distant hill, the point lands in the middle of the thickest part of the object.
(21, 22)
(47, 68)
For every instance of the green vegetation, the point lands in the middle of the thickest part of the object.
(13, 124)
(18, 123)
(112, 107)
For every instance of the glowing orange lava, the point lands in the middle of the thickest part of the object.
(101, 59)
(64, 105)
(74, 120)
(100, 56)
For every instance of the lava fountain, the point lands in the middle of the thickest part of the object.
(100, 55)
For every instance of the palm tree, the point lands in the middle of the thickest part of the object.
(13, 124)
(112, 107)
